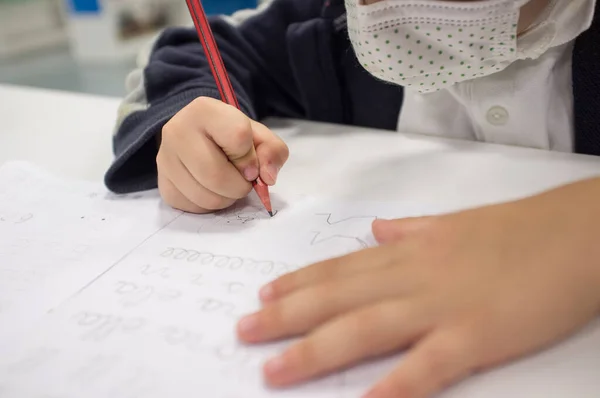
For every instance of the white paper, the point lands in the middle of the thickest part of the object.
(148, 306)
(56, 236)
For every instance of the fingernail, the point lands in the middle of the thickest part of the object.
(272, 171)
(251, 173)
(276, 367)
(248, 325)
(267, 292)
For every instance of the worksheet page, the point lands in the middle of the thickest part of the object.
(120, 296)
(56, 236)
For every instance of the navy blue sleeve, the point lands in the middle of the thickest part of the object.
(176, 72)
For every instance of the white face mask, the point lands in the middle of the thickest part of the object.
(428, 44)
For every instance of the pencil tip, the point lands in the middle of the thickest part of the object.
(271, 213)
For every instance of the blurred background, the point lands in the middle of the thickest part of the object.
(87, 46)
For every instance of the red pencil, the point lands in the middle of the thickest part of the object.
(222, 79)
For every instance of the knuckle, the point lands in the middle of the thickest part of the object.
(274, 145)
(167, 130)
(439, 234)
(443, 360)
(217, 176)
(160, 162)
(171, 131)
(284, 284)
(277, 151)
(220, 179)
(322, 271)
(284, 151)
(468, 348)
(200, 103)
(362, 325)
(304, 354)
(331, 269)
(275, 316)
(438, 361)
(322, 294)
(240, 133)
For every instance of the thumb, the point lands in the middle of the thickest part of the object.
(246, 163)
(387, 231)
(231, 130)
(241, 152)
(272, 152)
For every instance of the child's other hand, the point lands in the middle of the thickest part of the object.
(462, 292)
(207, 157)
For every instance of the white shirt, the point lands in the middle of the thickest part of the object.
(528, 104)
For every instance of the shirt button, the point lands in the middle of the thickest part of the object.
(497, 116)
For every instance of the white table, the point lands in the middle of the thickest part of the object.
(66, 133)
(71, 135)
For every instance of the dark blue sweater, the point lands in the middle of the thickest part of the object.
(291, 59)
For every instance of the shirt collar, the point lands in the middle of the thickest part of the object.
(560, 23)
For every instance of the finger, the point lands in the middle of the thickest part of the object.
(349, 265)
(173, 169)
(231, 131)
(364, 334)
(438, 361)
(386, 231)
(272, 152)
(176, 199)
(209, 166)
(307, 308)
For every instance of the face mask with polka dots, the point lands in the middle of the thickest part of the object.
(429, 45)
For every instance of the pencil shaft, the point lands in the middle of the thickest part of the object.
(212, 52)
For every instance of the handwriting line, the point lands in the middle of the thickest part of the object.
(123, 258)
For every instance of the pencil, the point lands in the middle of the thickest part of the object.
(222, 79)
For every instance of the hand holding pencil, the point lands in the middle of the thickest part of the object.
(211, 153)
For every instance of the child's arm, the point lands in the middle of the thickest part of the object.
(177, 72)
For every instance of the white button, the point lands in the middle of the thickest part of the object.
(497, 116)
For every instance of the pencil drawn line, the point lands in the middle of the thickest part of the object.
(238, 215)
(245, 217)
(314, 240)
(329, 215)
(230, 262)
(103, 325)
(318, 235)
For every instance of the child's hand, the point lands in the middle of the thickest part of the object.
(462, 292)
(207, 156)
